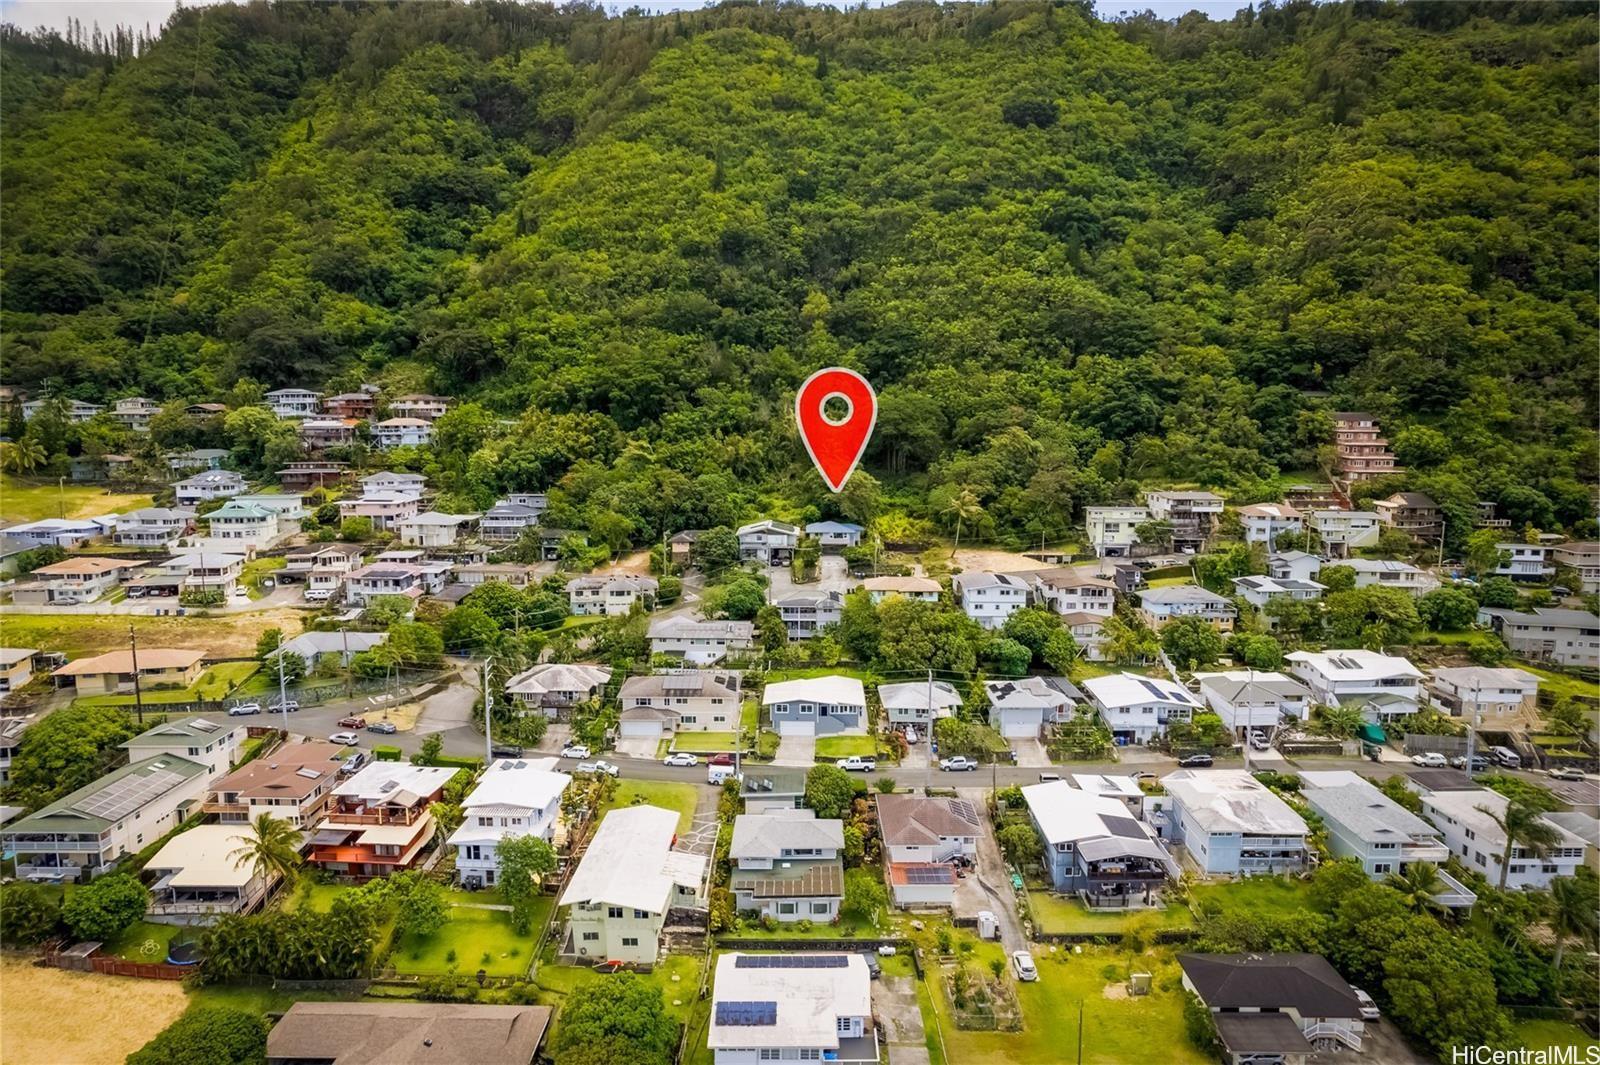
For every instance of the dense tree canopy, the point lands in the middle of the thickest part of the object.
(1073, 254)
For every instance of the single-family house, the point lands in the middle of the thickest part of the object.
(787, 865)
(197, 877)
(700, 643)
(680, 547)
(1094, 849)
(989, 598)
(1526, 562)
(243, 524)
(923, 838)
(1231, 823)
(362, 585)
(515, 797)
(1265, 522)
(1259, 591)
(1159, 606)
(1466, 820)
(816, 706)
(1111, 530)
(1024, 706)
(93, 829)
(1384, 687)
(554, 689)
(1566, 637)
(1072, 592)
(135, 413)
(1365, 824)
(1280, 1008)
(358, 406)
(315, 648)
(303, 476)
(74, 580)
(206, 486)
(204, 411)
(1136, 708)
(612, 595)
(201, 571)
(215, 742)
(1193, 516)
(383, 1033)
(433, 529)
(1125, 790)
(386, 512)
(379, 820)
(792, 1007)
(835, 535)
(504, 522)
(1342, 531)
(1250, 701)
(294, 402)
(1583, 557)
(690, 700)
(512, 573)
(628, 880)
(1472, 692)
(1391, 573)
(391, 483)
(402, 432)
(1363, 453)
(57, 532)
(1412, 513)
(422, 407)
(293, 783)
(299, 563)
(153, 526)
(16, 670)
(76, 410)
(766, 789)
(806, 615)
(112, 673)
(922, 588)
(768, 541)
(290, 507)
(918, 702)
(1293, 566)
(320, 431)
(200, 458)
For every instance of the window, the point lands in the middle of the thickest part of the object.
(614, 911)
(630, 941)
(771, 1054)
(1382, 867)
(640, 915)
(590, 937)
(842, 1025)
(788, 907)
(821, 908)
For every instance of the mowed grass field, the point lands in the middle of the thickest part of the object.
(669, 795)
(52, 1015)
(22, 500)
(222, 635)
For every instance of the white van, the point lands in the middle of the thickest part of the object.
(717, 774)
(1506, 756)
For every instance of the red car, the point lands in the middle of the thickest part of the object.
(352, 722)
(720, 759)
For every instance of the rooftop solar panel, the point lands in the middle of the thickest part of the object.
(203, 725)
(1125, 827)
(939, 874)
(1153, 690)
(791, 961)
(747, 1014)
(128, 794)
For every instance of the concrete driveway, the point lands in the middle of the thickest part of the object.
(1030, 752)
(992, 879)
(894, 1004)
(637, 746)
(832, 576)
(796, 751)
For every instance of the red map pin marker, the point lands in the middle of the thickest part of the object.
(836, 447)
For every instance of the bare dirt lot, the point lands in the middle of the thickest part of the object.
(998, 561)
(221, 636)
(51, 1015)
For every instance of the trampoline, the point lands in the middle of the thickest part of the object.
(186, 952)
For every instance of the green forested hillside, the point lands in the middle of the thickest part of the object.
(1073, 255)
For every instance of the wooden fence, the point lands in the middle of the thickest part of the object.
(95, 962)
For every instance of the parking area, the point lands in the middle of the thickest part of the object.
(894, 1002)
(796, 750)
(638, 746)
(1030, 751)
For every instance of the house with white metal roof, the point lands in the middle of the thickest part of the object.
(1293, 565)
(1230, 822)
(199, 878)
(816, 706)
(1384, 687)
(805, 614)
(918, 702)
(1094, 848)
(212, 484)
(768, 541)
(792, 1007)
(315, 647)
(1025, 705)
(1466, 820)
(835, 535)
(989, 598)
(1137, 708)
(1390, 573)
(433, 529)
(700, 643)
(1112, 530)
(515, 797)
(629, 878)
(1473, 691)
(611, 594)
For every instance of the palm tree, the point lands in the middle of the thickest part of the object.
(272, 847)
(24, 455)
(1525, 825)
(964, 505)
(1418, 883)
(1340, 720)
(1574, 910)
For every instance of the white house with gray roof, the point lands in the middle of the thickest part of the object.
(212, 484)
(1293, 565)
(1471, 691)
(807, 614)
(1024, 706)
(1384, 687)
(918, 702)
(787, 865)
(612, 595)
(1229, 822)
(1161, 606)
(990, 598)
(1137, 708)
(555, 688)
(835, 535)
(1259, 591)
(318, 647)
(816, 706)
(1253, 701)
(700, 643)
(1094, 848)
(768, 541)
(687, 700)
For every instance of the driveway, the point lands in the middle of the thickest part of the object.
(637, 746)
(993, 879)
(1030, 752)
(832, 576)
(796, 751)
(702, 835)
(894, 1004)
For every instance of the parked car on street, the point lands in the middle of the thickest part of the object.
(1479, 762)
(720, 759)
(1259, 742)
(244, 709)
(353, 721)
(857, 764)
(598, 767)
(1566, 773)
(277, 707)
(575, 750)
(385, 728)
(1194, 761)
(1431, 760)
(681, 758)
(505, 750)
(349, 739)
(318, 595)
(959, 764)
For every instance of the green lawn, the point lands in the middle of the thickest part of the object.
(705, 742)
(678, 994)
(1561, 685)
(1053, 913)
(257, 1000)
(256, 569)
(472, 933)
(848, 927)
(142, 941)
(668, 794)
(1168, 582)
(1264, 895)
(319, 897)
(865, 676)
(1539, 1035)
(27, 500)
(750, 717)
(845, 746)
(214, 684)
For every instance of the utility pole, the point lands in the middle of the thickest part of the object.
(1472, 733)
(138, 697)
(61, 501)
(1080, 1031)
(344, 634)
(283, 692)
(488, 706)
(1442, 523)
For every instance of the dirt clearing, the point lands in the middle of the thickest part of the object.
(52, 1015)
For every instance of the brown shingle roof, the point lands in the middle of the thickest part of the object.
(911, 820)
(409, 1033)
(277, 775)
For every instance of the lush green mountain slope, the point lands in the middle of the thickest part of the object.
(1072, 255)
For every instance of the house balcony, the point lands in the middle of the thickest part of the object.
(1456, 896)
(44, 843)
(407, 816)
(1424, 851)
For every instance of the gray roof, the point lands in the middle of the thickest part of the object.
(1580, 824)
(689, 683)
(407, 1033)
(310, 644)
(781, 781)
(768, 835)
(198, 727)
(977, 579)
(705, 630)
(1268, 687)
(1305, 983)
(1368, 813)
(1182, 593)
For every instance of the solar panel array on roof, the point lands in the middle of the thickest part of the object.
(964, 810)
(1153, 690)
(747, 1014)
(1124, 827)
(128, 794)
(938, 874)
(203, 725)
(791, 961)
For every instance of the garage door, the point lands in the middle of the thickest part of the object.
(640, 729)
(1014, 725)
(797, 728)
